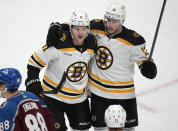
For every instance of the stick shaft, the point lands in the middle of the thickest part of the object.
(157, 29)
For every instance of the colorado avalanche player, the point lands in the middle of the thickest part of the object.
(22, 111)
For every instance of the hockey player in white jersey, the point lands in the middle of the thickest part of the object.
(72, 53)
(115, 117)
(112, 69)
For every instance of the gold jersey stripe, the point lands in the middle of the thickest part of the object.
(107, 81)
(139, 63)
(90, 50)
(61, 95)
(63, 88)
(45, 88)
(68, 49)
(119, 39)
(73, 49)
(73, 90)
(39, 60)
(31, 61)
(98, 31)
(50, 81)
(69, 97)
(110, 90)
(124, 41)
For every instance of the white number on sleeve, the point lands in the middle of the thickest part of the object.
(4, 125)
(145, 51)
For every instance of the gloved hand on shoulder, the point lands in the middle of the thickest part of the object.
(54, 33)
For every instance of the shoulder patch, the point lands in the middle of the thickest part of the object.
(63, 37)
(135, 34)
(97, 20)
(65, 41)
(132, 37)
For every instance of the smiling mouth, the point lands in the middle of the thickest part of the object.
(80, 37)
(110, 29)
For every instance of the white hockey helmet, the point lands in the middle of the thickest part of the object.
(115, 116)
(79, 18)
(116, 11)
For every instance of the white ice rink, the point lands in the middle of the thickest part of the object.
(23, 29)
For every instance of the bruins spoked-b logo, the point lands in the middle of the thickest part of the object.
(76, 71)
(104, 57)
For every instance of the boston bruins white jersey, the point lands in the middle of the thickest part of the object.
(112, 69)
(65, 57)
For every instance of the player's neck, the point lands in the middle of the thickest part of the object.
(77, 42)
(115, 129)
(118, 31)
(8, 94)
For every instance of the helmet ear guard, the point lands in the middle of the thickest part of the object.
(11, 77)
(115, 116)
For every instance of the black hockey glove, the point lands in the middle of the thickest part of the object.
(32, 82)
(63, 26)
(54, 33)
(34, 86)
(148, 69)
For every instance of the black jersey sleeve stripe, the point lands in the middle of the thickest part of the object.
(33, 58)
(71, 94)
(48, 85)
(61, 91)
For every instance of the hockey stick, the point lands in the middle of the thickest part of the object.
(57, 89)
(157, 29)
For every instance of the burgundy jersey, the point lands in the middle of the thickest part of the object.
(25, 112)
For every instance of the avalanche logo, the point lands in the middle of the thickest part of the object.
(104, 58)
(5, 72)
(76, 71)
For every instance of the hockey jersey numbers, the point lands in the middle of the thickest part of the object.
(4, 125)
(145, 51)
(25, 112)
(35, 123)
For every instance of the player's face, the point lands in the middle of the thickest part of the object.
(79, 34)
(2, 87)
(113, 26)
